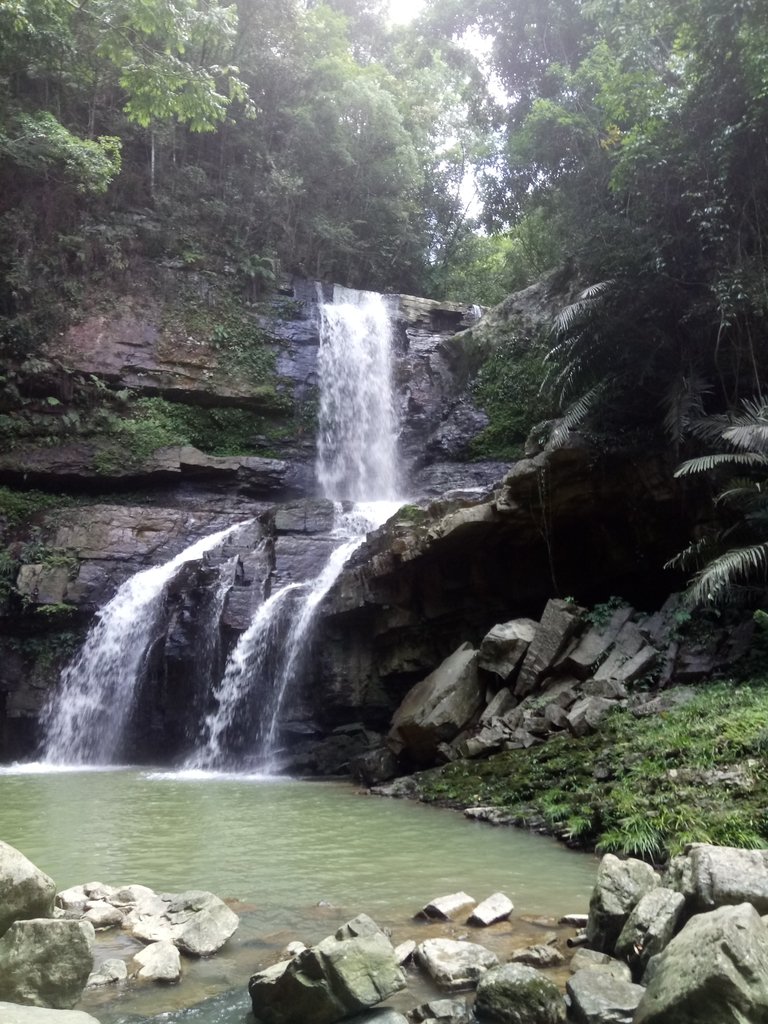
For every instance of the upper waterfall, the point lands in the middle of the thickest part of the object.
(357, 423)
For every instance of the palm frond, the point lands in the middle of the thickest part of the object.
(705, 463)
(733, 568)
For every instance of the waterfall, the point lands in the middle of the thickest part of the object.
(86, 717)
(357, 460)
(356, 436)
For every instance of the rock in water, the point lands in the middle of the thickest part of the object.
(714, 972)
(25, 892)
(46, 962)
(200, 922)
(159, 961)
(445, 908)
(455, 965)
(330, 981)
(514, 994)
(495, 908)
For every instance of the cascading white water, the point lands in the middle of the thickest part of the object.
(90, 709)
(356, 438)
(248, 661)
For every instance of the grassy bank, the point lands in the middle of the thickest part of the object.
(641, 786)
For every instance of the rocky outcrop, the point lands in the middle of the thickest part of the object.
(620, 886)
(196, 922)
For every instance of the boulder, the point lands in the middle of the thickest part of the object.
(537, 956)
(360, 925)
(404, 951)
(328, 982)
(103, 915)
(11, 1013)
(454, 965)
(444, 1011)
(594, 645)
(160, 961)
(590, 959)
(619, 887)
(599, 998)
(559, 622)
(374, 766)
(445, 908)
(587, 713)
(73, 899)
(25, 892)
(490, 738)
(504, 646)
(45, 962)
(108, 973)
(649, 927)
(495, 908)
(717, 876)
(715, 971)
(515, 994)
(439, 707)
(498, 706)
(201, 923)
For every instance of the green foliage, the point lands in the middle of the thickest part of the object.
(18, 507)
(508, 389)
(602, 614)
(692, 774)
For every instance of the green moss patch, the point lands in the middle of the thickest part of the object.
(643, 787)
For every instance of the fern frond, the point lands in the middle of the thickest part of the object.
(575, 313)
(705, 463)
(573, 416)
(684, 402)
(729, 570)
(752, 437)
(692, 557)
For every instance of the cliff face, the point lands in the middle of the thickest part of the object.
(81, 419)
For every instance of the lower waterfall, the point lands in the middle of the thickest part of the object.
(85, 720)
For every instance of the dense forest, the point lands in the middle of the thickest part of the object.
(626, 142)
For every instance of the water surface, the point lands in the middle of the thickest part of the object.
(298, 858)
